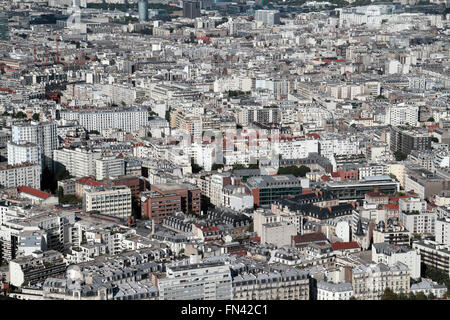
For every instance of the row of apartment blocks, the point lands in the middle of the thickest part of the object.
(213, 279)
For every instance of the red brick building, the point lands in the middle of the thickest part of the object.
(190, 195)
(155, 206)
(165, 199)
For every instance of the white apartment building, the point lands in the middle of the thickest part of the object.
(412, 204)
(43, 134)
(128, 120)
(369, 282)
(23, 152)
(442, 231)
(297, 149)
(218, 182)
(109, 167)
(341, 146)
(24, 174)
(79, 162)
(414, 216)
(402, 114)
(114, 201)
(390, 254)
(373, 170)
(334, 291)
(210, 281)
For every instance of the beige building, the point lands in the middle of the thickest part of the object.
(290, 285)
(278, 233)
(369, 282)
(114, 201)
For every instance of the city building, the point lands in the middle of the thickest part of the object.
(209, 281)
(111, 201)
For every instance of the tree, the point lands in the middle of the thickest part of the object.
(389, 295)
(60, 193)
(421, 296)
(216, 166)
(296, 171)
(430, 119)
(434, 139)
(400, 156)
(239, 166)
(19, 115)
(36, 116)
(195, 167)
(393, 176)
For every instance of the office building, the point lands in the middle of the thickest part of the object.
(191, 9)
(268, 189)
(114, 201)
(4, 26)
(268, 17)
(357, 189)
(143, 10)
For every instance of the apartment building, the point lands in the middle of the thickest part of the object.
(209, 281)
(23, 174)
(334, 291)
(128, 120)
(405, 140)
(43, 134)
(434, 254)
(79, 162)
(402, 114)
(36, 268)
(390, 254)
(114, 201)
(369, 282)
(423, 222)
(108, 167)
(290, 285)
(23, 152)
(442, 230)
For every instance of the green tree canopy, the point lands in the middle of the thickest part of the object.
(296, 171)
